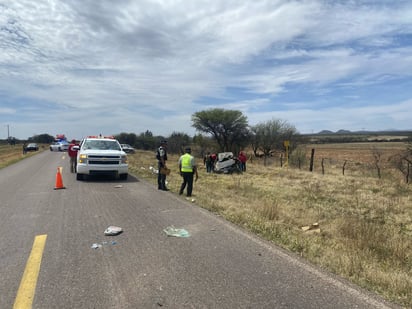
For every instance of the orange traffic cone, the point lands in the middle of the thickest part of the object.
(59, 180)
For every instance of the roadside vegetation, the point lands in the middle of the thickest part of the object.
(358, 227)
(10, 154)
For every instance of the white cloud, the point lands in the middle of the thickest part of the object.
(132, 66)
(355, 118)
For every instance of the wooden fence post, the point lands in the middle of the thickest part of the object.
(323, 166)
(311, 160)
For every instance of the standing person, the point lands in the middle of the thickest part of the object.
(213, 159)
(208, 162)
(161, 156)
(24, 148)
(187, 168)
(73, 155)
(242, 159)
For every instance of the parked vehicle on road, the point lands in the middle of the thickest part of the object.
(59, 146)
(101, 155)
(32, 147)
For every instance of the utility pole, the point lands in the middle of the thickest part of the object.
(8, 132)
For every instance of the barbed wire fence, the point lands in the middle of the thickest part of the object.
(374, 163)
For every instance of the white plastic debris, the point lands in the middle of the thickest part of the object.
(175, 232)
(154, 171)
(113, 230)
(96, 246)
(103, 243)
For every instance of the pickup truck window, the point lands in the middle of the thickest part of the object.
(101, 145)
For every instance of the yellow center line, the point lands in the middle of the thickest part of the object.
(25, 294)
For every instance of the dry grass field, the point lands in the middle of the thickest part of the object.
(356, 152)
(355, 225)
(12, 154)
(355, 159)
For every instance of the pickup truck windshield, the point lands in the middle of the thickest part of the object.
(101, 145)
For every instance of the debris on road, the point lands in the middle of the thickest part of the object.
(96, 246)
(113, 230)
(109, 243)
(175, 232)
(118, 186)
(103, 243)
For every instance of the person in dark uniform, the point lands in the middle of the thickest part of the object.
(161, 156)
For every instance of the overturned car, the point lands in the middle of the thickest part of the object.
(227, 164)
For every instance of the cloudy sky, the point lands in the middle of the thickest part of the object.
(84, 67)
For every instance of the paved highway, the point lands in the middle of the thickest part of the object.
(47, 260)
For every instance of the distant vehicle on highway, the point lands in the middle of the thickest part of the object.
(59, 146)
(32, 147)
(127, 148)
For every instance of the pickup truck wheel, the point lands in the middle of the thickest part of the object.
(79, 176)
(123, 176)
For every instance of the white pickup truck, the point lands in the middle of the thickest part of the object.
(101, 155)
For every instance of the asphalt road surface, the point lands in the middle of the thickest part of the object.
(218, 266)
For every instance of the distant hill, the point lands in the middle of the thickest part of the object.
(346, 136)
(342, 131)
(326, 132)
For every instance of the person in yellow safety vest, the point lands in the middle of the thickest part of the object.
(187, 168)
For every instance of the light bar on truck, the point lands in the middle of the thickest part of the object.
(100, 136)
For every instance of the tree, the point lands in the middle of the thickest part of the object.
(146, 141)
(127, 138)
(254, 143)
(270, 135)
(177, 142)
(228, 127)
(41, 139)
(377, 159)
(403, 161)
(205, 144)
